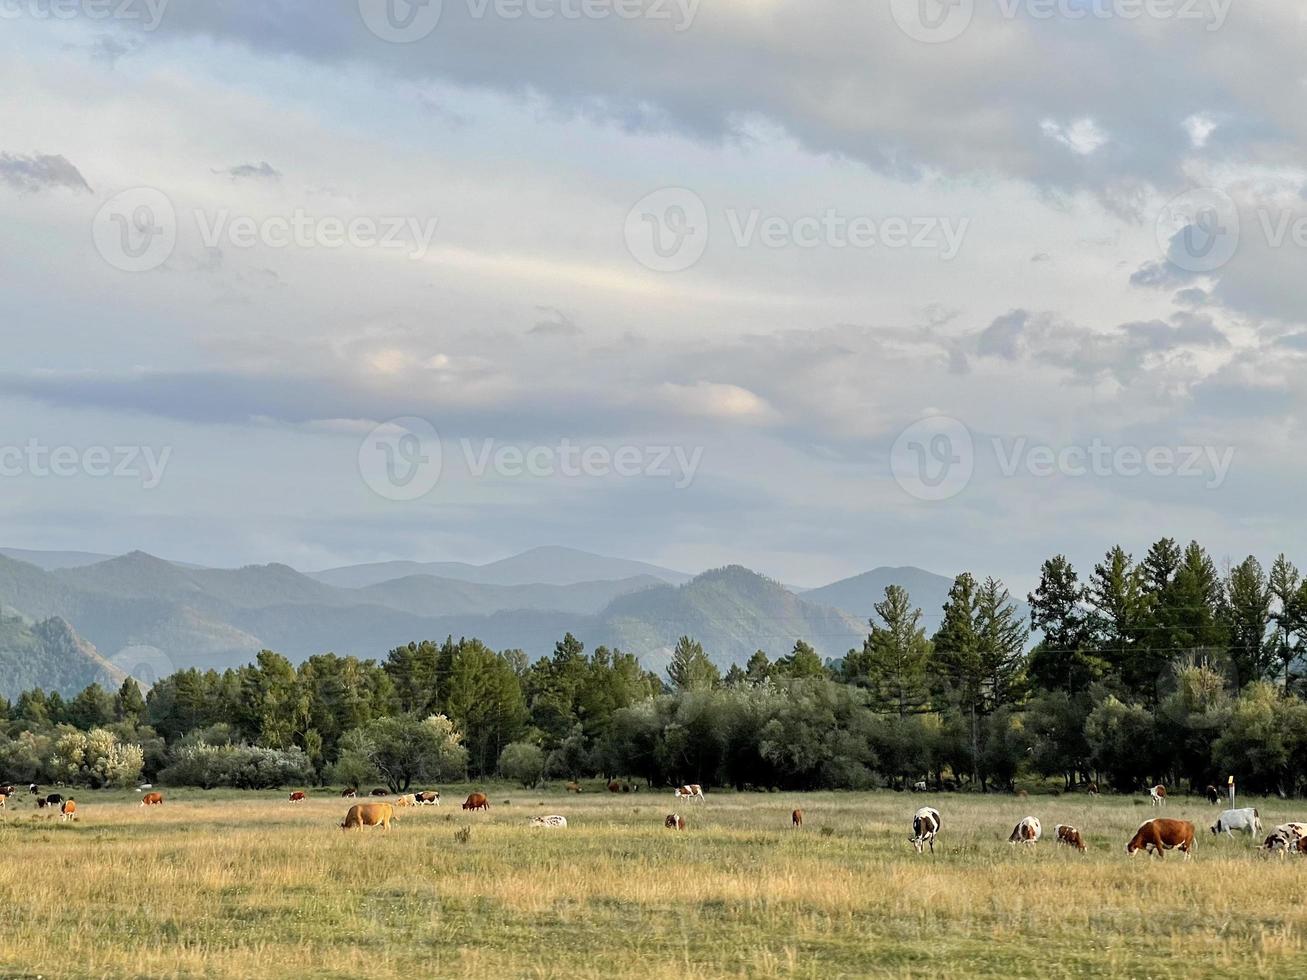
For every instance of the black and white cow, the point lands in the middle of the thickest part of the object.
(925, 827)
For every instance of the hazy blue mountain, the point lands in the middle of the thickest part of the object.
(50, 560)
(427, 595)
(50, 655)
(539, 566)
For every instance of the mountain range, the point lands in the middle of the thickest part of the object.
(141, 611)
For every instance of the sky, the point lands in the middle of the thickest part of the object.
(811, 287)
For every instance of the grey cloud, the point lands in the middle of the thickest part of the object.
(555, 323)
(257, 171)
(41, 171)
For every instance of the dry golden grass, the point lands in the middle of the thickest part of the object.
(245, 885)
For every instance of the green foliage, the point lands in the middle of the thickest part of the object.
(522, 762)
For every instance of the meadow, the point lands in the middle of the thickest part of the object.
(227, 884)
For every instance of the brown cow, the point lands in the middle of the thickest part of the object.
(477, 801)
(1070, 837)
(796, 819)
(1092, 789)
(8, 790)
(1162, 834)
(152, 799)
(614, 786)
(69, 810)
(379, 792)
(349, 793)
(674, 821)
(1157, 795)
(1028, 831)
(573, 787)
(299, 796)
(4, 798)
(369, 815)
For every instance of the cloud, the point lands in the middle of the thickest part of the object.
(40, 172)
(555, 323)
(252, 171)
(1081, 137)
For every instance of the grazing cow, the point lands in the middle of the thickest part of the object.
(796, 819)
(299, 796)
(362, 815)
(1282, 842)
(408, 799)
(614, 786)
(691, 791)
(1157, 796)
(4, 798)
(1028, 831)
(925, 827)
(1161, 834)
(554, 820)
(8, 790)
(54, 799)
(1245, 818)
(1294, 831)
(152, 799)
(379, 792)
(1093, 789)
(1070, 837)
(1212, 793)
(34, 789)
(68, 810)
(573, 787)
(674, 821)
(349, 793)
(427, 798)
(919, 786)
(477, 801)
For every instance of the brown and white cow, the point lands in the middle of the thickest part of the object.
(690, 791)
(925, 827)
(4, 798)
(555, 820)
(1157, 795)
(427, 798)
(152, 799)
(1028, 831)
(674, 821)
(796, 819)
(476, 801)
(349, 793)
(1162, 834)
(362, 815)
(1092, 789)
(1069, 836)
(299, 796)
(573, 787)
(408, 799)
(68, 810)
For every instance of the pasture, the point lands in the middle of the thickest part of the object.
(225, 884)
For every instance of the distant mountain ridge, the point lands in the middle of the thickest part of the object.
(50, 655)
(191, 616)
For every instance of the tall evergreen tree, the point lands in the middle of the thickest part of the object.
(1290, 615)
(895, 656)
(690, 669)
(1064, 660)
(1248, 600)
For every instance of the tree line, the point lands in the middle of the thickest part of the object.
(1165, 669)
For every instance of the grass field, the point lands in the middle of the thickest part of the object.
(222, 884)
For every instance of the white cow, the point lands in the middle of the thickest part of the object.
(554, 820)
(925, 827)
(1157, 795)
(919, 786)
(1294, 831)
(1281, 841)
(1245, 818)
(691, 791)
(1028, 831)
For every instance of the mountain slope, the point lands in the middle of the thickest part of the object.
(50, 655)
(859, 594)
(427, 595)
(50, 560)
(539, 566)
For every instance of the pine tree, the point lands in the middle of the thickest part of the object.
(895, 656)
(1064, 659)
(690, 669)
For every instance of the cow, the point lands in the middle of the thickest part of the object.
(1028, 831)
(1161, 834)
(674, 821)
(54, 799)
(554, 820)
(919, 786)
(408, 799)
(362, 815)
(68, 810)
(574, 787)
(427, 798)
(152, 799)
(1294, 831)
(1070, 837)
(298, 796)
(614, 786)
(1157, 795)
(477, 801)
(8, 790)
(691, 791)
(4, 798)
(349, 793)
(796, 819)
(379, 792)
(34, 789)
(1282, 842)
(1212, 793)
(1245, 818)
(925, 827)
(1092, 789)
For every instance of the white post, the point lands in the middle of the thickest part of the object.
(1231, 783)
